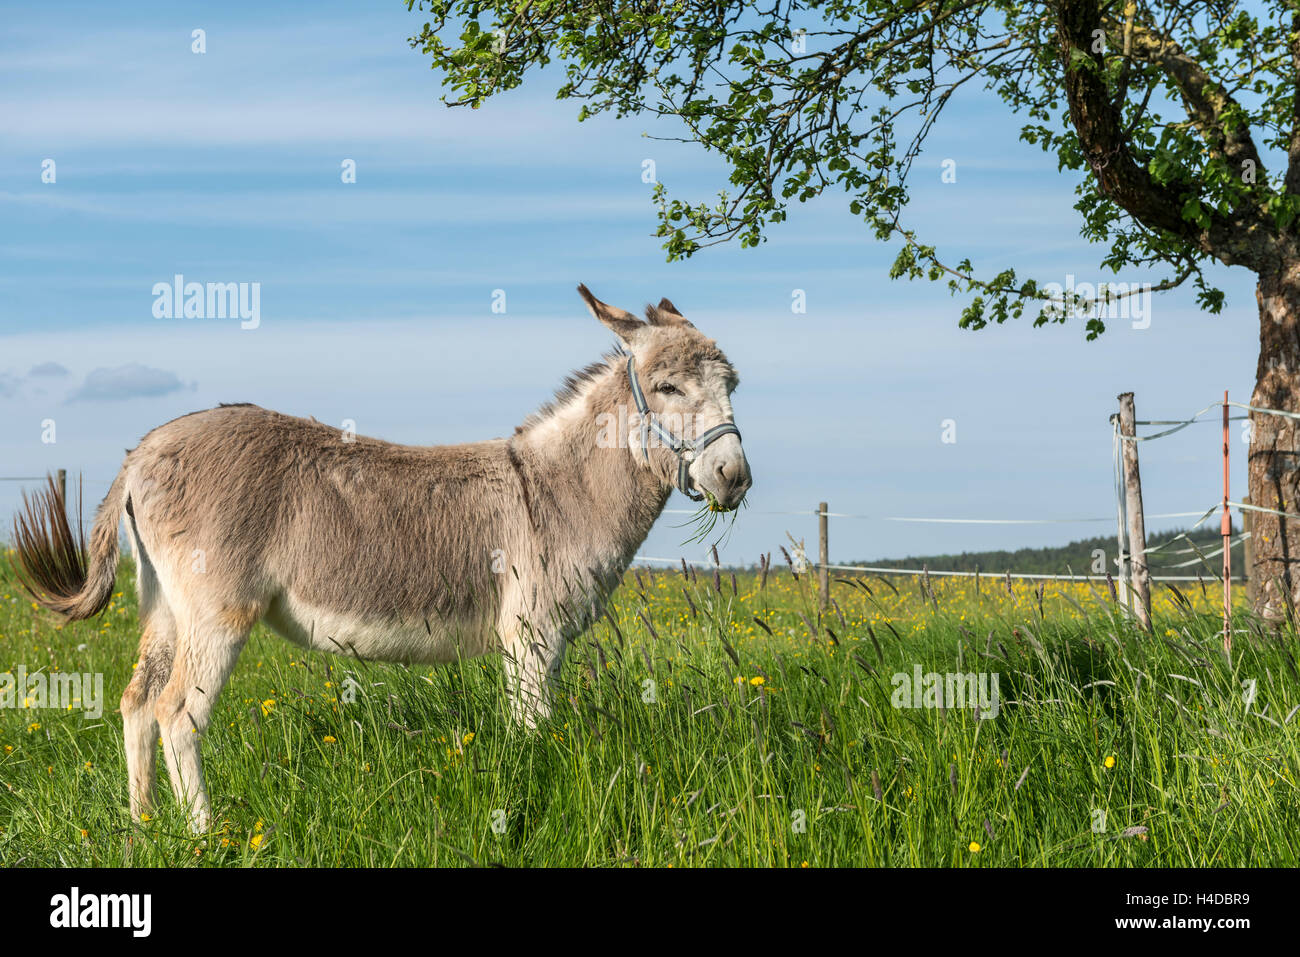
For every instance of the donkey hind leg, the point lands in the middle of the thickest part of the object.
(152, 670)
(206, 651)
(139, 724)
(532, 663)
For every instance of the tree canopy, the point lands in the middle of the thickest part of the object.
(1170, 108)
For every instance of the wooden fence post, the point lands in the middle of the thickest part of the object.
(824, 557)
(1137, 535)
(1248, 553)
(1121, 577)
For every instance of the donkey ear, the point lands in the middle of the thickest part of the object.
(619, 321)
(666, 314)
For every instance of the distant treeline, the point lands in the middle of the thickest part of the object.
(1076, 557)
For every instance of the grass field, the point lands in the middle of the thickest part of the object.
(718, 724)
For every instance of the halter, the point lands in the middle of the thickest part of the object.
(680, 446)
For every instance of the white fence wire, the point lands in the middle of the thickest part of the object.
(1178, 425)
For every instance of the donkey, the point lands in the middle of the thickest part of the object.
(419, 554)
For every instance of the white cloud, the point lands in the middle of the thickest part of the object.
(129, 381)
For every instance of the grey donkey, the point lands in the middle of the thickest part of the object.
(420, 554)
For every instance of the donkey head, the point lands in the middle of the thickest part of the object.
(685, 383)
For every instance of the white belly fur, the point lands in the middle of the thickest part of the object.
(376, 639)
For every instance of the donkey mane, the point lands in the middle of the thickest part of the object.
(571, 388)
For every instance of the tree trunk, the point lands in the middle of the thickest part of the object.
(1275, 443)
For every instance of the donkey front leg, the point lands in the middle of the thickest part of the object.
(205, 657)
(532, 662)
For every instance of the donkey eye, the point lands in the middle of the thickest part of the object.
(667, 388)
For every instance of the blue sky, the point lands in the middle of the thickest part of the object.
(376, 296)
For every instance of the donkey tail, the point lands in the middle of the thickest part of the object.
(54, 565)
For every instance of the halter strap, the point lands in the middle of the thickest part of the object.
(680, 446)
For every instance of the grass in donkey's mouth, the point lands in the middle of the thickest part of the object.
(707, 518)
(714, 505)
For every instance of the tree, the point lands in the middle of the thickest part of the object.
(1169, 109)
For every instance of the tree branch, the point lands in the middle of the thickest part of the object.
(1292, 184)
(1098, 121)
(1218, 117)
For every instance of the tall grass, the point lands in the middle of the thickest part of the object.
(708, 721)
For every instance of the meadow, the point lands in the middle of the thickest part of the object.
(709, 720)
